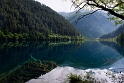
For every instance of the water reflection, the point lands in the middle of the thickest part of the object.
(115, 46)
(109, 58)
(14, 54)
(78, 55)
(60, 75)
(95, 55)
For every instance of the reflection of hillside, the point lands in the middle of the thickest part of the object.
(56, 52)
(89, 54)
(115, 46)
(63, 43)
(14, 54)
(94, 55)
(19, 44)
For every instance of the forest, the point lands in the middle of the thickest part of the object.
(31, 20)
(117, 34)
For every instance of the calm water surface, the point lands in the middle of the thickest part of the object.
(86, 55)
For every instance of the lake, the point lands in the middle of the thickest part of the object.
(75, 57)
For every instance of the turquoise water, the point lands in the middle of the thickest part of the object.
(90, 54)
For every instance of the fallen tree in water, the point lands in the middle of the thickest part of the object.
(27, 71)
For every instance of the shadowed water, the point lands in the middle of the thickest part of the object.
(80, 55)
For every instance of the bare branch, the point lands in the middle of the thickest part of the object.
(79, 5)
(86, 15)
(81, 8)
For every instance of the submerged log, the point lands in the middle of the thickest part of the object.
(27, 71)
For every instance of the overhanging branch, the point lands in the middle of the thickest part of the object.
(81, 7)
(108, 10)
(86, 15)
(96, 4)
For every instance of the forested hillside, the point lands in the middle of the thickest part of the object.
(91, 26)
(120, 39)
(28, 19)
(115, 33)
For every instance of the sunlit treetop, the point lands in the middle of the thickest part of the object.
(113, 7)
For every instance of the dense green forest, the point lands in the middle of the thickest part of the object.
(31, 20)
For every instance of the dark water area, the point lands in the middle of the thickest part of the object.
(81, 55)
(97, 55)
(14, 54)
(113, 45)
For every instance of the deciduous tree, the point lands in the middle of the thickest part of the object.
(113, 7)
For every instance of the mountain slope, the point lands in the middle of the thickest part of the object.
(120, 39)
(30, 19)
(91, 26)
(115, 33)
